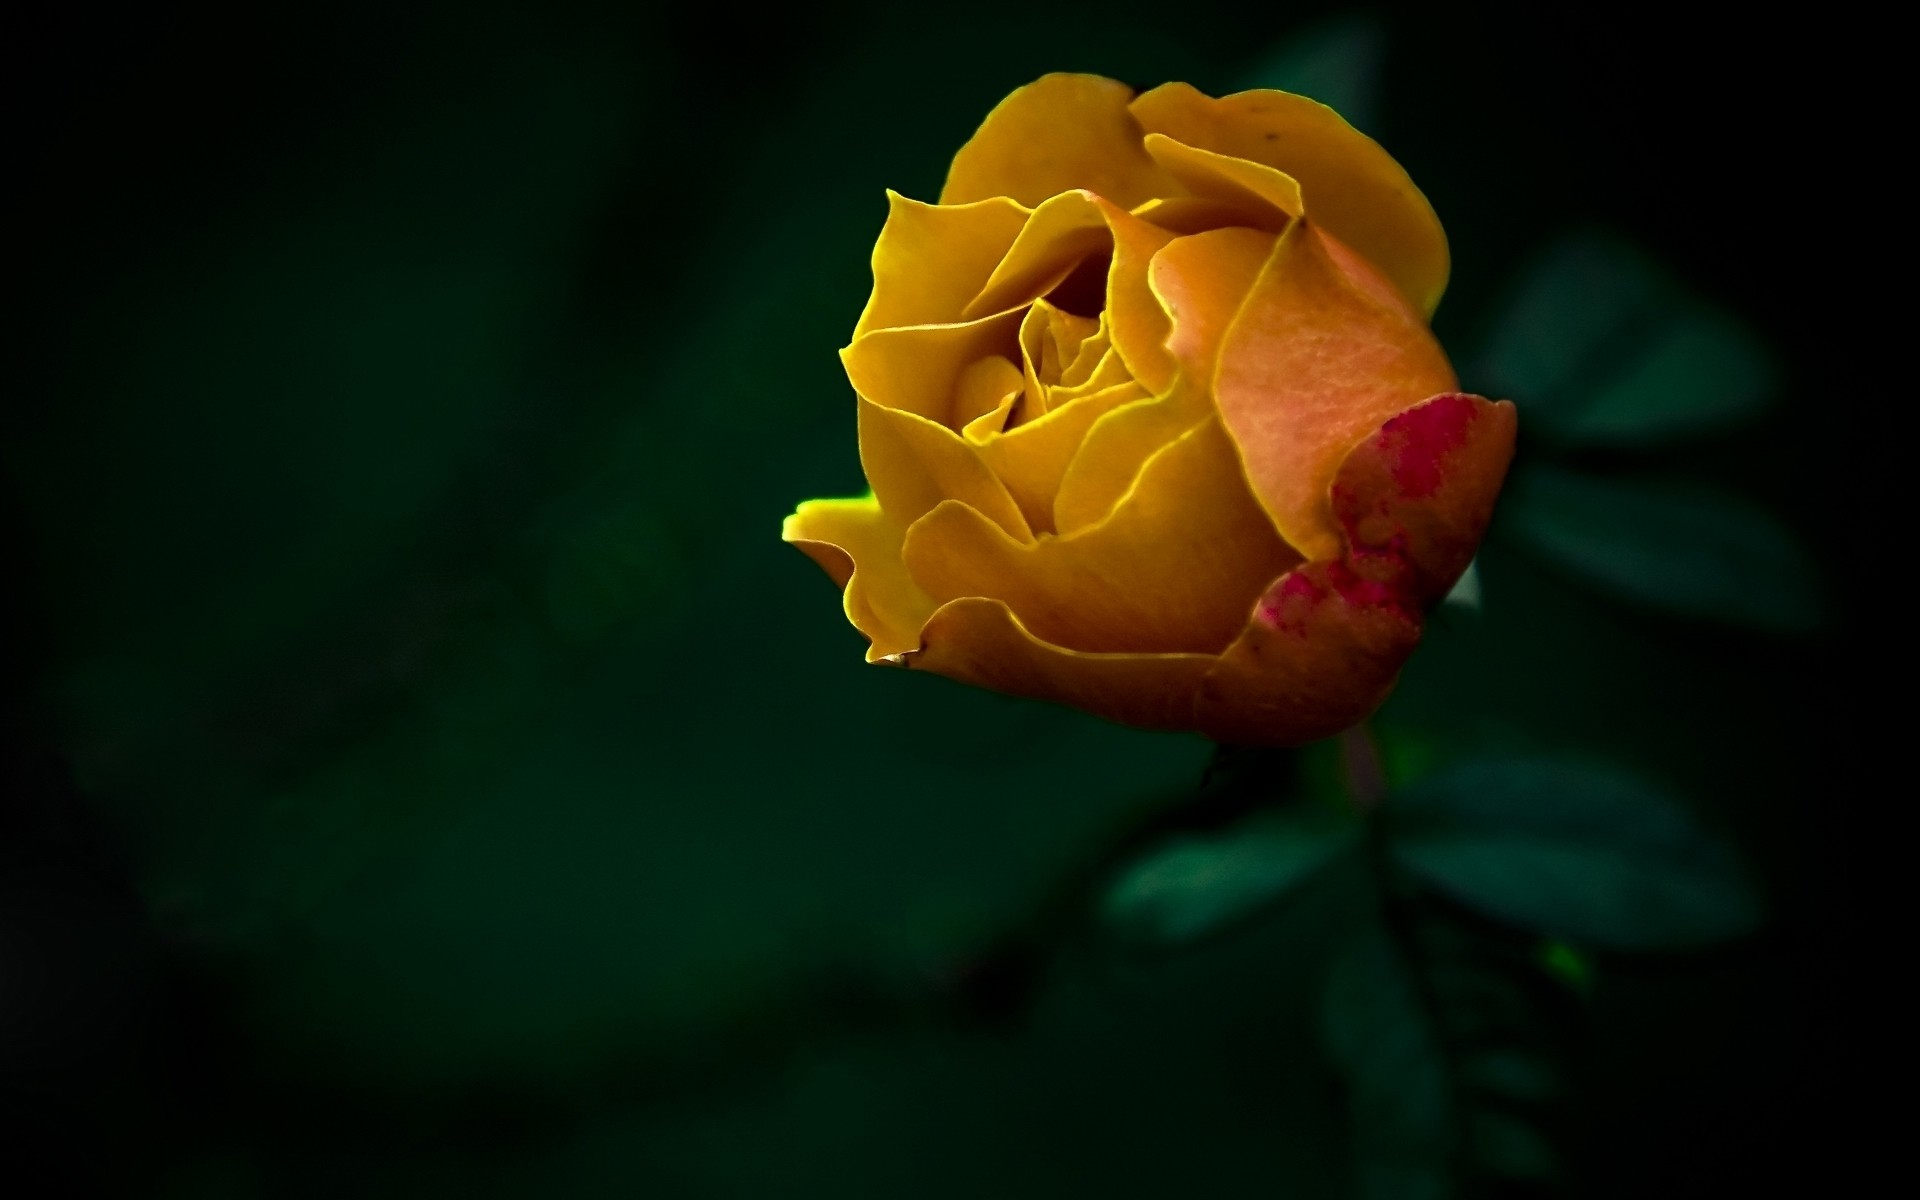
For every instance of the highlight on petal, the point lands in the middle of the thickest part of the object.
(1173, 569)
(979, 641)
(1315, 361)
(859, 547)
(1060, 132)
(1348, 183)
(914, 464)
(932, 260)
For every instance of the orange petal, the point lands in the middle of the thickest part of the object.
(914, 464)
(1317, 358)
(1118, 447)
(1347, 182)
(1201, 281)
(931, 260)
(1318, 657)
(1327, 640)
(980, 642)
(1267, 196)
(916, 368)
(1414, 499)
(859, 547)
(1058, 133)
(1174, 569)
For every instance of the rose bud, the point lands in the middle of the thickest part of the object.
(1153, 419)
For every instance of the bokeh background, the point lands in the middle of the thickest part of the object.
(429, 774)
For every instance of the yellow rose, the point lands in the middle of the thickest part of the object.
(1153, 419)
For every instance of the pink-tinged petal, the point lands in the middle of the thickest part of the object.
(1327, 640)
(1320, 355)
(1414, 499)
(979, 641)
(1056, 134)
(1348, 184)
(932, 260)
(1320, 654)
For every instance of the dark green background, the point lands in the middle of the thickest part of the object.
(429, 774)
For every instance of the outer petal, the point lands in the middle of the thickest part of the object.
(931, 260)
(1327, 640)
(1058, 133)
(1318, 357)
(980, 642)
(1317, 658)
(1174, 569)
(1349, 184)
(859, 546)
(1414, 499)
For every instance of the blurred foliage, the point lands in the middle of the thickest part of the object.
(429, 773)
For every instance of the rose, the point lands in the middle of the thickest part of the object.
(1153, 420)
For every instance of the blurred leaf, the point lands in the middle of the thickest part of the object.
(1380, 1037)
(1336, 62)
(1577, 850)
(1683, 548)
(1198, 884)
(1510, 1147)
(1601, 346)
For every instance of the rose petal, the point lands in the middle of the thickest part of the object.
(1173, 569)
(1200, 283)
(914, 464)
(859, 546)
(1414, 499)
(980, 642)
(916, 368)
(1267, 196)
(1058, 133)
(1031, 458)
(1317, 657)
(1327, 640)
(1056, 238)
(931, 260)
(1317, 358)
(1348, 183)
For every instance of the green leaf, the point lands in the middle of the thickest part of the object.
(1601, 346)
(1336, 62)
(1381, 1039)
(1579, 851)
(1198, 884)
(1683, 548)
